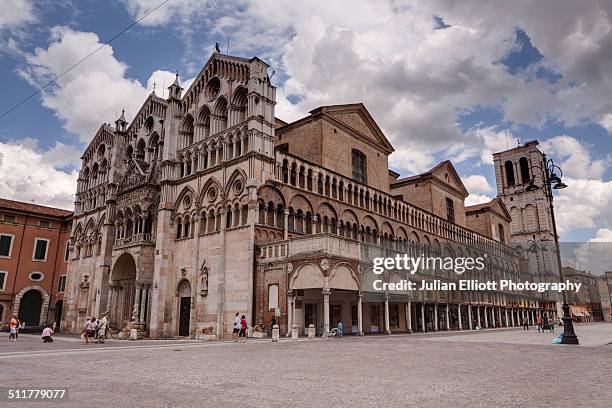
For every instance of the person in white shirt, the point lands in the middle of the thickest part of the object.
(236, 327)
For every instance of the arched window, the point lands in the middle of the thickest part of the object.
(140, 150)
(524, 166)
(187, 131)
(360, 166)
(509, 173)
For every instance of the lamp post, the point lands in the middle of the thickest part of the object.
(548, 172)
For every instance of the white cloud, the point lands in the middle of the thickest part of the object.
(574, 157)
(584, 204)
(99, 82)
(606, 122)
(414, 79)
(14, 13)
(602, 235)
(30, 174)
(477, 184)
(474, 199)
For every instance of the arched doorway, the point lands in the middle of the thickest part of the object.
(30, 307)
(123, 289)
(57, 317)
(184, 292)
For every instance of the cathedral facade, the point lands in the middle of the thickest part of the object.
(206, 205)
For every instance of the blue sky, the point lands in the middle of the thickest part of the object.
(442, 80)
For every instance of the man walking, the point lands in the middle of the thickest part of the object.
(525, 323)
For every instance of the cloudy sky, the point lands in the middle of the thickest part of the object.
(444, 79)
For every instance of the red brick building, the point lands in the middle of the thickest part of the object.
(33, 262)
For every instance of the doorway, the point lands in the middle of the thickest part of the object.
(184, 292)
(30, 307)
(184, 316)
(335, 315)
(310, 315)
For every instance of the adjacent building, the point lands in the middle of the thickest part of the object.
(34, 248)
(604, 283)
(206, 204)
(586, 304)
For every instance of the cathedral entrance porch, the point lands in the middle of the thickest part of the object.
(128, 298)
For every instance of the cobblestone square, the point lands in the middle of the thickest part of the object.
(494, 368)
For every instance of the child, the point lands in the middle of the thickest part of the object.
(46, 335)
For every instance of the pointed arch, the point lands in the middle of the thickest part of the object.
(185, 191)
(212, 181)
(237, 174)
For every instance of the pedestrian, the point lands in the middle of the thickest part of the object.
(102, 326)
(340, 329)
(540, 324)
(46, 335)
(525, 324)
(237, 327)
(243, 329)
(13, 328)
(273, 323)
(87, 330)
(92, 331)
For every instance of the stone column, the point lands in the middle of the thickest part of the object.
(360, 313)
(506, 316)
(387, 329)
(493, 317)
(499, 317)
(423, 316)
(459, 316)
(512, 316)
(486, 317)
(326, 293)
(447, 317)
(436, 317)
(290, 302)
(478, 311)
(409, 317)
(470, 323)
(137, 295)
(286, 226)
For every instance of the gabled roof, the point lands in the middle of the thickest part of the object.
(495, 205)
(366, 129)
(445, 167)
(34, 208)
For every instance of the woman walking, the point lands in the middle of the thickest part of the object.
(87, 330)
(243, 329)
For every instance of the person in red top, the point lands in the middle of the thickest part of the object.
(540, 323)
(243, 329)
(13, 328)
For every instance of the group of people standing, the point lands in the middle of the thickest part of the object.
(239, 333)
(95, 329)
(542, 323)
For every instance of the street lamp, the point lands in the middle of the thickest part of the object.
(548, 173)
